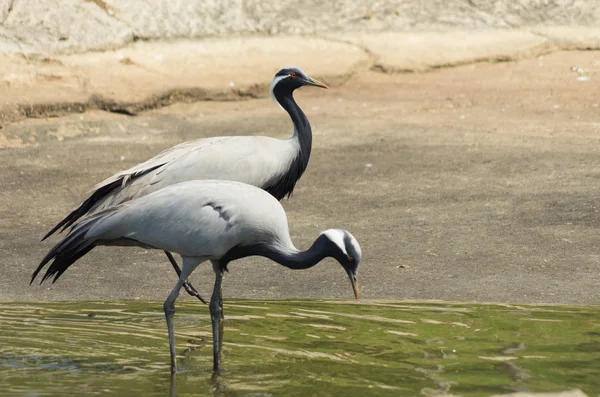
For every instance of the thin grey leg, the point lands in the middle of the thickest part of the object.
(169, 307)
(221, 322)
(216, 317)
(189, 264)
(189, 288)
(173, 386)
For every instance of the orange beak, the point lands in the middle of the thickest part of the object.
(316, 83)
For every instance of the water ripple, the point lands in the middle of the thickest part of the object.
(298, 348)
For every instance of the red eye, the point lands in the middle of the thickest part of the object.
(350, 259)
(293, 75)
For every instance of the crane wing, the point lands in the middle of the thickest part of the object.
(250, 159)
(164, 157)
(195, 219)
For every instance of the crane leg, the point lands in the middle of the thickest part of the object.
(189, 264)
(187, 285)
(216, 317)
(169, 307)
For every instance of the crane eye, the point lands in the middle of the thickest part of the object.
(350, 259)
(293, 75)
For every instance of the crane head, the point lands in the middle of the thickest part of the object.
(288, 79)
(345, 249)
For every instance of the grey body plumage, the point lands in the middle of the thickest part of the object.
(202, 220)
(272, 164)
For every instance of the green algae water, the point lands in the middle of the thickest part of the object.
(299, 348)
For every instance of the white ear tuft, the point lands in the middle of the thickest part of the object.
(337, 237)
(355, 245)
(276, 80)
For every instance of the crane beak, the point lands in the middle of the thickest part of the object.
(316, 83)
(354, 283)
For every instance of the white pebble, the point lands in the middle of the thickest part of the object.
(578, 69)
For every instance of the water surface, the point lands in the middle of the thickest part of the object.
(298, 348)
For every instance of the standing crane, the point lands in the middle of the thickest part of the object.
(271, 164)
(202, 220)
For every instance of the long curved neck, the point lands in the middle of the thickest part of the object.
(302, 129)
(294, 259)
(289, 257)
(285, 98)
(302, 138)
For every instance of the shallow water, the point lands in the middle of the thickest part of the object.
(298, 348)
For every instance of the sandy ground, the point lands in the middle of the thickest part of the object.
(472, 183)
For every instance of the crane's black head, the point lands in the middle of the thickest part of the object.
(290, 78)
(342, 246)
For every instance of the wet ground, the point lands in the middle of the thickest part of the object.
(299, 348)
(473, 183)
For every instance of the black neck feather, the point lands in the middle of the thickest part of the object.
(290, 259)
(284, 185)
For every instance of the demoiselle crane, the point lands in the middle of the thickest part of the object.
(272, 164)
(202, 220)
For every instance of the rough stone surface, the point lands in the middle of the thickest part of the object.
(571, 37)
(409, 52)
(216, 65)
(48, 68)
(156, 19)
(46, 26)
(5, 8)
(146, 75)
(182, 18)
(42, 26)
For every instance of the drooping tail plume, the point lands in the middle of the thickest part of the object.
(83, 208)
(112, 185)
(69, 250)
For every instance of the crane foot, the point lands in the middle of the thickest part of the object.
(193, 292)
